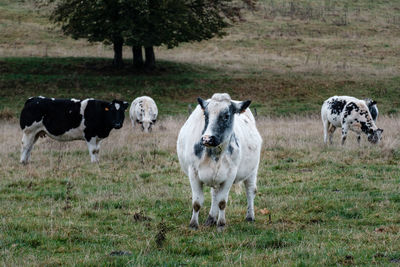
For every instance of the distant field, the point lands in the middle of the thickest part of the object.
(287, 56)
(328, 205)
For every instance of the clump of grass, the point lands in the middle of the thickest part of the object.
(161, 235)
(7, 114)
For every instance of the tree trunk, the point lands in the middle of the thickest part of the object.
(150, 58)
(137, 56)
(118, 43)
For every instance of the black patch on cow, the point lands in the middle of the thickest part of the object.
(196, 206)
(101, 117)
(364, 127)
(222, 204)
(349, 108)
(58, 115)
(213, 153)
(223, 124)
(198, 149)
(373, 111)
(336, 106)
(230, 149)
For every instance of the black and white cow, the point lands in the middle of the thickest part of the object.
(350, 113)
(217, 146)
(69, 119)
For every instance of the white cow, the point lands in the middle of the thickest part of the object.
(217, 146)
(144, 112)
(350, 113)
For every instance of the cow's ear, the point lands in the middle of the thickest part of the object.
(241, 107)
(380, 130)
(373, 102)
(202, 103)
(125, 104)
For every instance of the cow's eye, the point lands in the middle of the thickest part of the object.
(226, 116)
(106, 109)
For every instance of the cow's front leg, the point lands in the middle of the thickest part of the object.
(212, 216)
(94, 149)
(28, 140)
(197, 197)
(222, 200)
(251, 190)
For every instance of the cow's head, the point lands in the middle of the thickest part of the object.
(146, 119)
(146, 124)
(374, 136)
(115, 113)
(219, 113)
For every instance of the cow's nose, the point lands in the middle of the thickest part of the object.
(118, 125)
(208, 140)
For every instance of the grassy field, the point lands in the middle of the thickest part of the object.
(328, 205)
(315, 205)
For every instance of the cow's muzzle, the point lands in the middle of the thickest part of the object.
(208, 140)
(118, 126)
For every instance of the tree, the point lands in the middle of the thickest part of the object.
(96, 21)
(145, 23)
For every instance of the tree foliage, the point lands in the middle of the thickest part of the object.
(145, 23)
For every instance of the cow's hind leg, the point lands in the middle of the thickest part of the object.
(28, 140)
(94, 149)
(212, 216)
(332, 129)
(197, 197)
(325, 123)
(251, 190)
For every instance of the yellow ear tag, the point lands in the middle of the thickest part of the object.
(106, 109)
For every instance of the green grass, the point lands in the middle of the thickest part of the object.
(175, 85)
(328, 206)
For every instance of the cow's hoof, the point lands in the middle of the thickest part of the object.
(250, 219)
(220, 227)
(210, 221)
(193, 226)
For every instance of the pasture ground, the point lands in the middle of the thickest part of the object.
(328, 205)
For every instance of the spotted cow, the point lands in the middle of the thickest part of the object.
(144, 112)
(69, 119)
(350, 113)
(217, 146)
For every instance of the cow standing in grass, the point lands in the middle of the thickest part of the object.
(350, 113)
(144, 112)
(69, 119)
(217, 146)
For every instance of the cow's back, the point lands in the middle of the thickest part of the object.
(57, 115)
